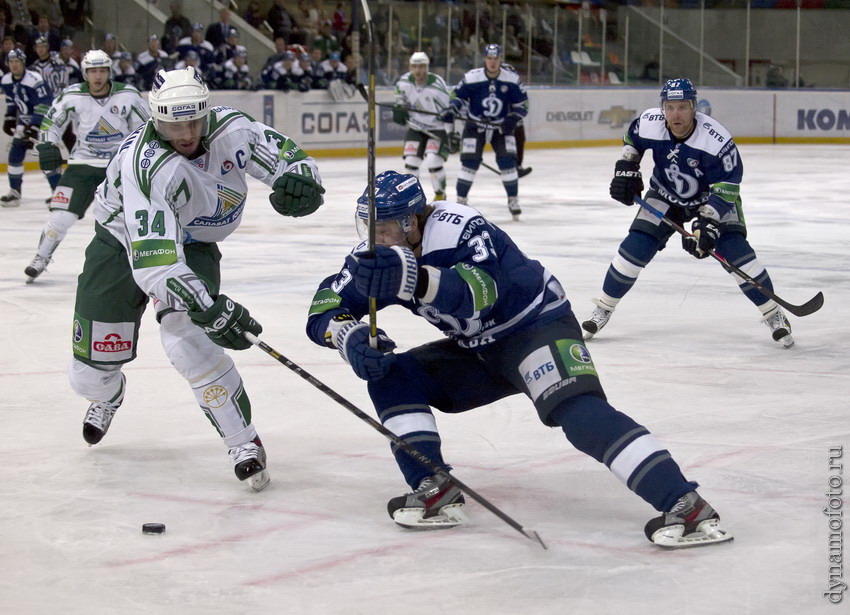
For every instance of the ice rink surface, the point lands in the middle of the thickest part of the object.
(685, 354)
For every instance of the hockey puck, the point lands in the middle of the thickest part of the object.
(153, 528)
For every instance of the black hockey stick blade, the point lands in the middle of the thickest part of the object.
(809, 307)
(407, 448)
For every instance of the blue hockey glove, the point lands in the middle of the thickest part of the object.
(400, 115)
(225, 322)
(453, 142)
(9, 123)
(509, 123)
(49, 156)
(627, 182)
(447, 116)
(705, 233)
(387, 274)
(368, 363)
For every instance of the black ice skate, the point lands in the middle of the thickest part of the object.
(691, 523)
(600, 317)
(99, 417)
(249, 464)
(435, 504)
(36, 267)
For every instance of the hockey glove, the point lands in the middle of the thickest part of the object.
(400, 115)
(387, 274)
(296, 195)
(225, 322)
(49, 156)
(368, 363)
(509, 123)
(705, 233)
(453, 143)
(9, 124)
(447, 116)
(627, 182)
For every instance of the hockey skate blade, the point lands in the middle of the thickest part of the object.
(259, 481)
(450, 515)
(707, 533)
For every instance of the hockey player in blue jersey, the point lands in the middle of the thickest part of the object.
(697, 176)
(28, 98)
(509, 330)
(492, 94)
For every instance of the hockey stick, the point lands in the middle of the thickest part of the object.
(362, 89)
(407, 448)
(370, 99)
(809, 307)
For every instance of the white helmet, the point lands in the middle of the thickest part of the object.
(96, 59)
(420, 57)
(178, 96)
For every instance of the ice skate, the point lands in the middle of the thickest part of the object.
(598, 319)
(779, 326)
(523, 171)
(249, 464)
(13, 199)
(462, 200)
(99, 417)
(36, 267)
(691, 523)
(436, 504)
(513, 206)
(439, 196)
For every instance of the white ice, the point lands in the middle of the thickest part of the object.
(685, 354)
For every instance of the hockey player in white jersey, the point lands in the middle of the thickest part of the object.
(101, 113)
(427, 140)
(177, 187)
(697, 176)
(510, 330)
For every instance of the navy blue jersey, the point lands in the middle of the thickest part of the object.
(28, 98)
(491, 100)
(487, 289)
(705, 169)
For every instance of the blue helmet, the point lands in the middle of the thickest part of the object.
(678, 89)
(16, 54)
(493, 51)
(397, 197)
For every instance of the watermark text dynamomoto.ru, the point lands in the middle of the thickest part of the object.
(834, 512)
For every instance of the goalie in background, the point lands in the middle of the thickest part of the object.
(697, 176)
(428, 139)
(510, 330)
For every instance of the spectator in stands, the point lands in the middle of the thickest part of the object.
(236, 74)
(110, 46)
(5, 29)
(308, 16)
(74, 13)
(43, 30)
(339, 22)
(254, 14)
(225, 51)
(284, 75)
(196, 42)
(66, 52)
(279, 50)
(280, 20)
(123, 70)
(217, 32)
(176, 27)
(53, 10)
(8, 45)
(326, 41)
(22, 20)
(149, 61)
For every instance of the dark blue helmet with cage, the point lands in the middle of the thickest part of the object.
(398, 196)
(679, 89)
(493, 51)
(16, 54)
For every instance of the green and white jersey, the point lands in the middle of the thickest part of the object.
(433, 96)
(100, 124)
(155, 200)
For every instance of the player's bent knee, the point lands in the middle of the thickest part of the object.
(191, 352)
(94, 383)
